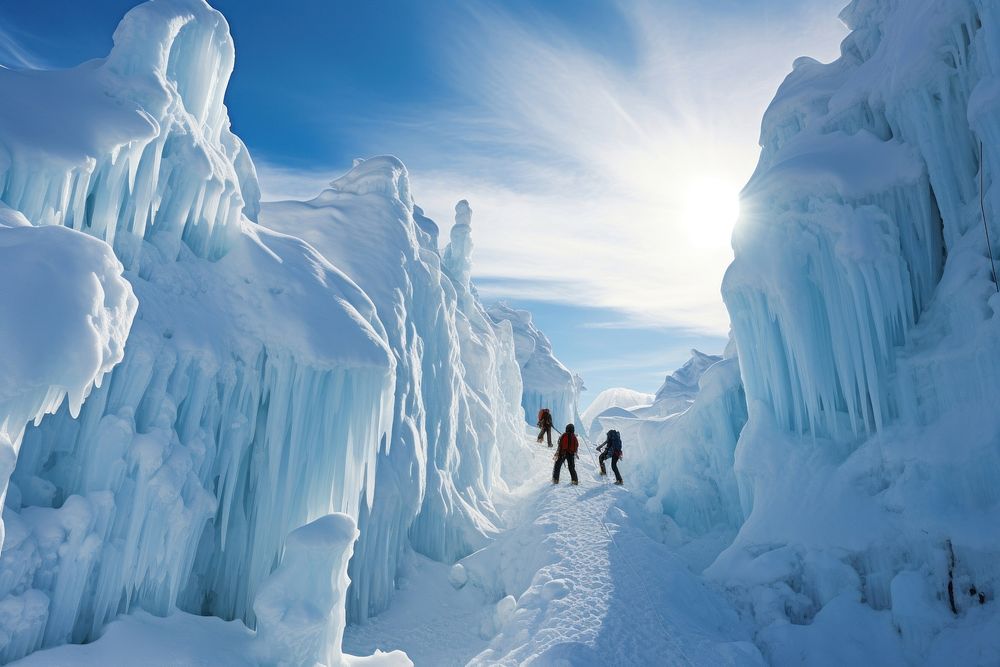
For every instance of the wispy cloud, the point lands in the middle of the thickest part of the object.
(599, 183)
(13, 54)
(657, 363)
(280, 182)
(621, 197)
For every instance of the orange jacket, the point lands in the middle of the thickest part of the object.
(568, 443)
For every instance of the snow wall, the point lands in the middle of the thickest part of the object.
(262, 382)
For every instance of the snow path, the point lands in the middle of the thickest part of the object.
(582, 596)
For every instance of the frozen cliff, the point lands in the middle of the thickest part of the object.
(547, 382)
(865, 315)
(227, 383)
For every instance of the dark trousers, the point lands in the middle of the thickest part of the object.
(570, 463)
(614, 464)
(547, 433)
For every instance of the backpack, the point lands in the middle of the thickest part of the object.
(614, 442)
(544, 417)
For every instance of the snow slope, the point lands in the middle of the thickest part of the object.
(577, 580)
(547, 382)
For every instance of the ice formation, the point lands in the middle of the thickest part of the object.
(265, 383)
(66, 314)
(854, 517)
(547, 382)
(300, 607)
(457, 384)
(865, 316)
(680, 450)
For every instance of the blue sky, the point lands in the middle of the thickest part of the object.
(602, 144)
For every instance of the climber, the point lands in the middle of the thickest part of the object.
(568, 444)
(545, 424)
(611, 448)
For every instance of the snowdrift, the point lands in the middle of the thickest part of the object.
(260, 382)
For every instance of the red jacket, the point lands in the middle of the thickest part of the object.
(568, 443)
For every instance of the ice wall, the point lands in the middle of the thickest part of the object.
(264, 383)
(256, 382)
(679, 451)
(457, 387)
(66, 312)
(547, 382)
(865, 315)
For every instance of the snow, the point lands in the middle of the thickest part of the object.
(67, 312)
(576, 579)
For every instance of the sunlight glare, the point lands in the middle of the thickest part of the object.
(710, 209)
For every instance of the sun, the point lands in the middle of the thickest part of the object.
(710, 207)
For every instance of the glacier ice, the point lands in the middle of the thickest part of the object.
(457, 414)
(864, 312)
(680, 451)
(547, 382)
(260, 381)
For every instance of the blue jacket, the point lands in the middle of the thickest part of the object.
(613, 450)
